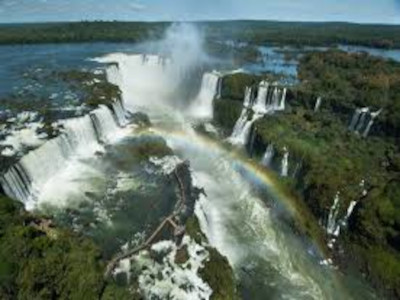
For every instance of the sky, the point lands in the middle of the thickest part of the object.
(359, 11)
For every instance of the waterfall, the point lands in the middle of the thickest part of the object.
(317, 104)
(104, 123)
(202, 106)
(283, 100)
(285, 163)
(349, 212)
(268, 155)
(114, 75)
(261, 105)
(119, 113)
(244, 115)
(364, 114)
(355, 118)
(80, 137)
(219, 89)
(371, 122)
(297, 169)
(248, 101)
(242, 129)
(333, 228)
(275, 99)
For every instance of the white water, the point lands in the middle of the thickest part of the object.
(30, 177)
(120, 113)
(241, 132)
(202, 106)
(268, 155)
(261, 102)
(240, 226)
(104, 124)
(248, 100)
(317, 104)
(361, 122)
(167, 279)
(349, 212)
(282, 103)
(332, 227)
(373, 115)
(285, 163)
(358, 120)
(354, 120)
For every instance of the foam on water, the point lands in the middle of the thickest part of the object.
(167, 279)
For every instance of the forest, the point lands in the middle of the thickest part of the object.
(255, 32)
(335, 159)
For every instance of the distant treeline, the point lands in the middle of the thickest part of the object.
(258, 32)
(307, 33)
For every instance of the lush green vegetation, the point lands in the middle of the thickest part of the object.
(305, 34)
(95, 88)
(346, 81)
(254, 32)
(38, 261)
(333, 158)
(216, 272)
(79, 32)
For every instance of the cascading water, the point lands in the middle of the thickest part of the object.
(202, 107)
(114, 75)
(81, 136)
(104, 124)
(242, 129)
(349, 212)
(355, 118)
(275, 99)
(264, 255)
(361, 122)
(260, 105)
(282, 104)
(120, 113)
(358, 121)
(268, 155)
(333, 226)
(266, 102)
(373, 115)
(285, 163)
(248, 100)
(317, 104)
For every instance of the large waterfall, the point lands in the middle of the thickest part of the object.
(261, 101)
(81, 137)
(104, 124)
(202, 107)
(242, 129)
(248, 97)
(265, 103)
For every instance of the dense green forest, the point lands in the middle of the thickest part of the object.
(256, 32)
(333, 158)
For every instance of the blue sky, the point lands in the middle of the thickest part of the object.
(362, 11)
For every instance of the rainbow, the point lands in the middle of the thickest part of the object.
(256, 173)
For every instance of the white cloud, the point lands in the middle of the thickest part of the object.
(137, 6)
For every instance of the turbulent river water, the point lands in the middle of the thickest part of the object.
(243, 213)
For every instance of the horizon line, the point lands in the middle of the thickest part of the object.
(201, 21)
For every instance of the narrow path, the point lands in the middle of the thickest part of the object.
(168, 220)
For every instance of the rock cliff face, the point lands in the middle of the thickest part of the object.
(346, 173)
